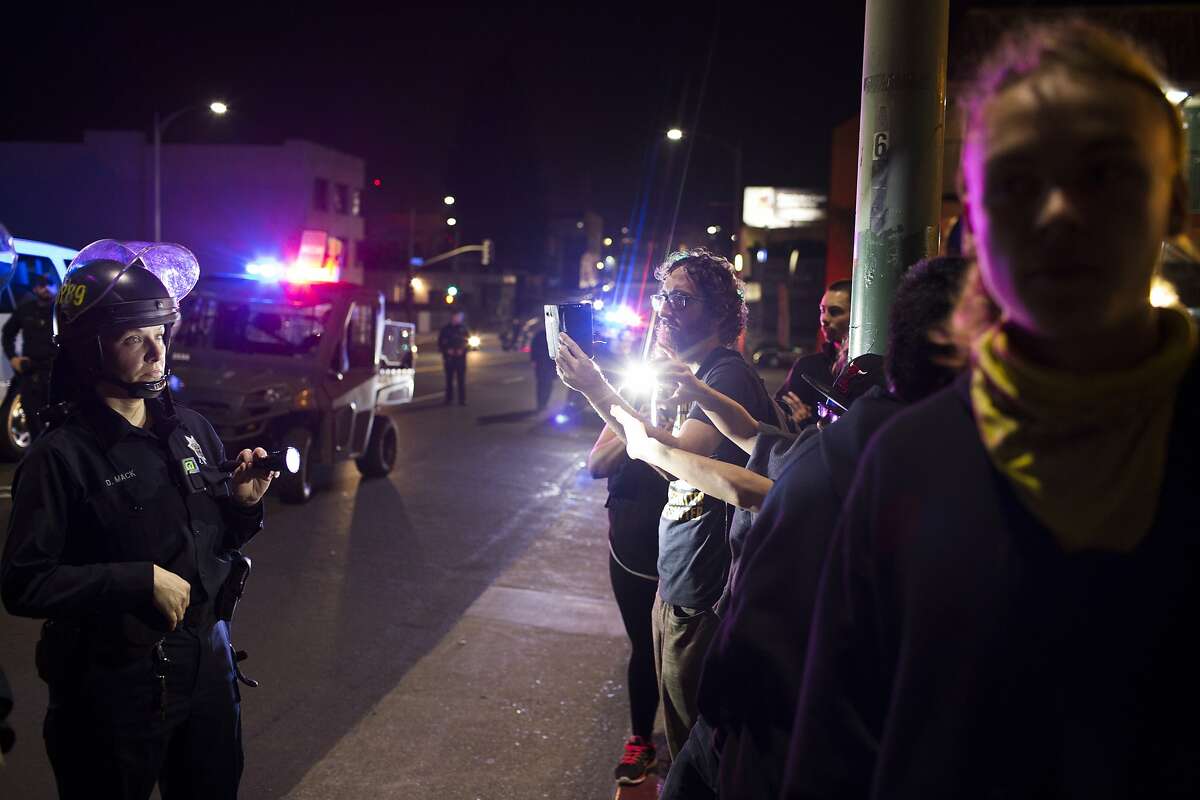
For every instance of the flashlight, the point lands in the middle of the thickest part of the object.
(276, 461)
(641, 378)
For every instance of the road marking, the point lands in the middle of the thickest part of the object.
(430, 396)
(520, 379)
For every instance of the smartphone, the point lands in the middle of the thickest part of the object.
(573, 319)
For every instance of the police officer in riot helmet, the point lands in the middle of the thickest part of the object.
(121, 536)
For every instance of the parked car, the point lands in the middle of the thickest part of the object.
(773, 356)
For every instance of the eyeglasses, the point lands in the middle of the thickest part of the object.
(679, 301)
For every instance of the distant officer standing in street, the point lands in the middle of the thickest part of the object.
(31, 369)
(452, 341)
(545, 372)
(121, 535)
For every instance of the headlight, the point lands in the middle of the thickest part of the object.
(270, 395)
(473, 341)
(304, 399)
(274, 394)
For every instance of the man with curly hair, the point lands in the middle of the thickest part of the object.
(702, 312)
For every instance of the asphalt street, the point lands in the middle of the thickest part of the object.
(448, 631)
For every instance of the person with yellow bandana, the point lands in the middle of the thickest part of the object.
(1011, 601)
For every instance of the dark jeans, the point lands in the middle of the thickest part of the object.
(456, 369)
(695, 772)
(107, 735)
(635, 598)
(545, 376)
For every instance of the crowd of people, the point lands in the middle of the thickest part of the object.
(967, 568)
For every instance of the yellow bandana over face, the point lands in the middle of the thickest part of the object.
(1086, 454)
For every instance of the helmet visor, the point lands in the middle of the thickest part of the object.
(173, 264)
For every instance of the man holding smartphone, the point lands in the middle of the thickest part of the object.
(702, 312)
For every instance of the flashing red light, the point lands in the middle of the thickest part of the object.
(377, 182)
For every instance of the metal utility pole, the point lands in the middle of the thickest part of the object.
(900, 136)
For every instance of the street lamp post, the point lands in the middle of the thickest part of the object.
(160, 126)
(676, 135)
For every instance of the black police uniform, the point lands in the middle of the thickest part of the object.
(32, 320)
(452, 341)
(96, 504)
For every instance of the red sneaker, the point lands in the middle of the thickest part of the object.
(639, 758)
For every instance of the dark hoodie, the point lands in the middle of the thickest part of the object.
(752, 674)
(957, 651)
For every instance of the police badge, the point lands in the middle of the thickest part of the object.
(195, 448)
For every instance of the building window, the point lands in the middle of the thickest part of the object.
(341, 199)
(320, 194)
(356, 203)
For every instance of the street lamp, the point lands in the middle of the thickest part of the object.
(448, 199)
(675, 135)
(160, 126)
(451, 222)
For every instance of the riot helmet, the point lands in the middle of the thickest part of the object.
(113, 286)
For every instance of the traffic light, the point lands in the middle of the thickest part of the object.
(488, 252)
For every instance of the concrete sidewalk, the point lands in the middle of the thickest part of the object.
(524, 697)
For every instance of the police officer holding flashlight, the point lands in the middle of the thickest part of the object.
(121, 537)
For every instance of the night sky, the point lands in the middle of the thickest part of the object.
(525, 112)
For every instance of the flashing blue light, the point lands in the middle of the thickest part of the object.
(623, 315)
(561, 419)
(266, 269)
(761, 256)
(416, 261)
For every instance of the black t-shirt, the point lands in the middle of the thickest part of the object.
(693, 549)
(636, 494)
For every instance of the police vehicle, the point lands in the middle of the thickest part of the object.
(315, 366)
